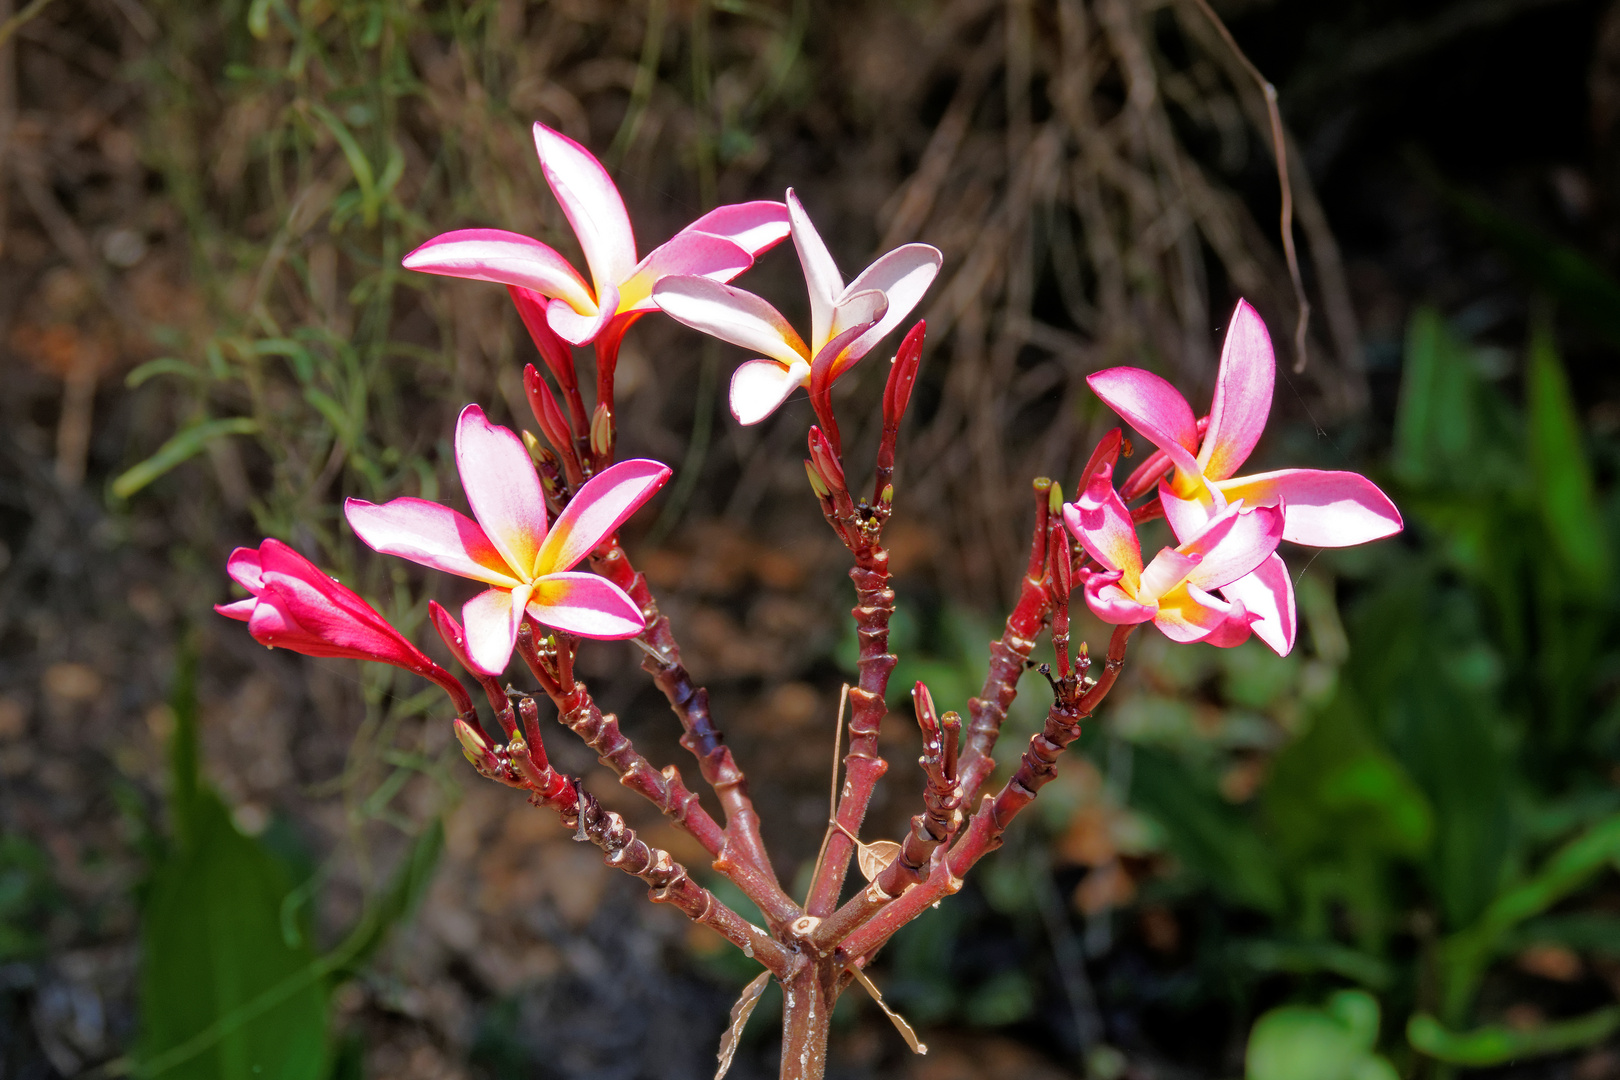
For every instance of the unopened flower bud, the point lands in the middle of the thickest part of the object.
(602, 431)
(817, 484)
(826, 460)
(472, 743)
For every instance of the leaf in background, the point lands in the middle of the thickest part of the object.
(184, 445)
(223, 996)
(1563, 478)
(404, 891)
(1494, 1045)
(1336, 1042)
(1435, 423)
(25, 897)
(1212, 838)
(1343, 813)
(1443, 733)
(1464, 955)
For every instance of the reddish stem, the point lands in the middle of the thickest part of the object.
(1077, 700)
(743, 856)
(1008, 655)
(578, 712)
(862, 766)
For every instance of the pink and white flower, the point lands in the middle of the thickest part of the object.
(846, 321)
(1321, 508)
(509, 548)
(296, 606)
(1174, 591)
(719, 245)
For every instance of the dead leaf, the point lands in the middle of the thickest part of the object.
(899, 1022)
(875, 857)
(740, 1013)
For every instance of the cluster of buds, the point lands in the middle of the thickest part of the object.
(540, 510)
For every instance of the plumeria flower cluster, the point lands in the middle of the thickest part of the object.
(1228, 526)
(542, 543)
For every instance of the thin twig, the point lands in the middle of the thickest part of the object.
(17, 21)
(1279, 144)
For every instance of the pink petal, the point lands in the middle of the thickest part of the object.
(1234, 543)
(1191, 614)
(1242, 394)
(838, 354)
(759, 386)
(582, 329)
(1237, 628)
(506, 257)
(820, 272)
(855, 311)
(1321, 508)
(731, 315)
(1151, 406)
(1188, 516)
(1099, 520)
(1268, 594)
(274, 626)
(491, 620)
(244, 568)
(241, 610)
(592, 204)
(600, 507)
(433, 535)
(586, 605)
(502, 489)
(450, 632)
(1110, 603)
(339, 630)
(903, 275)
(756, 227)
(688, 254)
(315, 597)
(1168, 570)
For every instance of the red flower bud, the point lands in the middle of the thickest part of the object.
(296, 606)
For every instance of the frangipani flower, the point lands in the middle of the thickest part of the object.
(509, 547)
(1172, 591)
(296, 606)
(1320, 508)
(720, 245)
(846, 321)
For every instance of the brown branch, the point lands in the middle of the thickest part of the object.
(1008, 655)
(941, 816)
(874, 606)
(1077, 699)
(523, 764)
(580, 714)
(742, 856)
(1279, 149)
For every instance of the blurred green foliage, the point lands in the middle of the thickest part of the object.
(1335, 1042)
(26, 896)
(1452, 784)
(232, 985)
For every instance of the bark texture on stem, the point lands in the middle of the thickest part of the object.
(743, 854)
(807, 1003)
(523, 764)
(1077, 699)
(1008, 655)
(862, 766)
